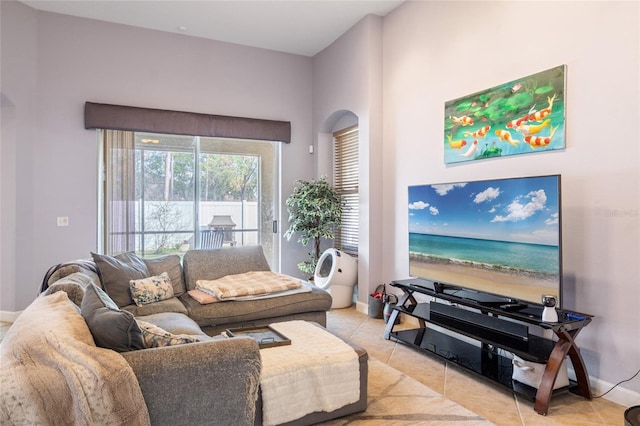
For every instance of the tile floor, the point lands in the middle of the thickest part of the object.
(492, 402)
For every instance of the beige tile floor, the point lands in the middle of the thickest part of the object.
(492, 402)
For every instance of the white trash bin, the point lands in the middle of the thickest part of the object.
(337, 273)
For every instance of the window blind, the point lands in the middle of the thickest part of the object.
(346, 171)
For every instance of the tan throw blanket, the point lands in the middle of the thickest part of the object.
(317, 372)
(52, 372)
(247, 284)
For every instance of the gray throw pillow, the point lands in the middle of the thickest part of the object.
(110, 327)
(117, 271)
(170, 264)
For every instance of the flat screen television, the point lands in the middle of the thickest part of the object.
(501, 236)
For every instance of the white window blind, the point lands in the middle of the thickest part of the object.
(346, 183)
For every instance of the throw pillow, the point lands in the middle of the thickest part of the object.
(156, 337)
(151, 289)
(171, 264)
(111, 328)
(116, 272)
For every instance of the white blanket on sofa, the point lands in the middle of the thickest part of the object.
(52, 372)
(317, 372)
(252, 283)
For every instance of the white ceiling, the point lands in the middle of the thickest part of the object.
(303, 27)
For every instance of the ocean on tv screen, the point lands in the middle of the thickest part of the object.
(501, 236)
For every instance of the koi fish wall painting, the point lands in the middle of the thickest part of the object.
(522, 116)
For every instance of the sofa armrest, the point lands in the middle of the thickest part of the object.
(214, 382)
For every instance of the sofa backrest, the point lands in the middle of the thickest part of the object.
(214, 264)
(61, 270)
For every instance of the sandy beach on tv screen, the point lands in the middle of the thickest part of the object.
(517, 286)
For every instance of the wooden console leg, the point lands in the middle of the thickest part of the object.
(543, 396)
(565, 345)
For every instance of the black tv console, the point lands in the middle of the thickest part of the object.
(497, 323)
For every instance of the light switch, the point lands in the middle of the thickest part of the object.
(63, 220)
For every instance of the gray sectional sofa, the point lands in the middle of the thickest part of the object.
(213, 381)
(113, 274)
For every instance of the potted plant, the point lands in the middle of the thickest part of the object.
(315, 211)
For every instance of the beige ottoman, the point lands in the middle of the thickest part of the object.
(310, 349)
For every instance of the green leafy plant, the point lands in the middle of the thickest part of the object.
(315, 211)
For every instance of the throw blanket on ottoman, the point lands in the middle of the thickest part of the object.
(317, 372)
(247, 284)
(52, 372)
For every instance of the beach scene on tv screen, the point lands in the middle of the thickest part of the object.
(500, 236)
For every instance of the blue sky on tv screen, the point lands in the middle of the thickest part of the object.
(522, 210)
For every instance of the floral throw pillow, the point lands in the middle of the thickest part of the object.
(151, 289)
(156, 337)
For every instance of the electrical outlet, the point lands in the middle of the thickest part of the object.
(63, 220)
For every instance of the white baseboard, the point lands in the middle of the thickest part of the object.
(619, 395)
(362, 307)
(8, 316)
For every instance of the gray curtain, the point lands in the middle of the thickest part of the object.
(119, 191)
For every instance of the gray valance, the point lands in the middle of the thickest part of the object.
(117, 117)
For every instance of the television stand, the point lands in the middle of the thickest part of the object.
(490, 322)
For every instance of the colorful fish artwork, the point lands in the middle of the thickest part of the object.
(540, 141)
(479, 133)
(518, 121)
(524, 115)
(541, 115)
(505, 135)
(456, 144)
(463, 121)
(472, 149)
(532, 129)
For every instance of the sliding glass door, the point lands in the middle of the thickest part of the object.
(183, 188)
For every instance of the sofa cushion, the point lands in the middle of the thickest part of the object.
(217, 263)
(175, 323)
(170, 305)
(171, 264)
(151, 289)
(116, 272)
(247, 311)
(110, 327)
(156, 337)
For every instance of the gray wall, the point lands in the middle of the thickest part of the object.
(52, 64)
(347, 77)
(438, 51)
(433, 52)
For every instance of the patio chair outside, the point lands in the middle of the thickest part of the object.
(211, 239)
